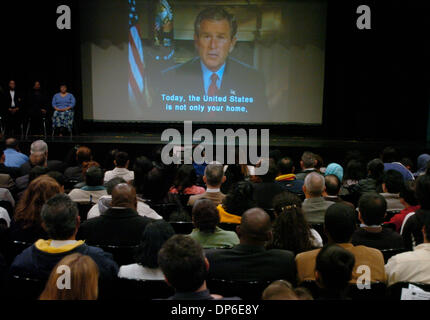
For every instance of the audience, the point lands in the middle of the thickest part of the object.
(236, 202)
(390, 158)
(206, 219)
(290, 228)
(185, 181)
(121, 163)
(339, 226)
(13, 156)
(332, 189)
(315, 205)
(249, 260)
(213, 178)
(40, 146)
(83, 154)
(268, 188)
(84, 279)
(422, 162)
(373, 182)
(372, 209)
(93, 189)
(146, 266)
(287, 179)
(307, 163)
(392, 185)
(334, 169)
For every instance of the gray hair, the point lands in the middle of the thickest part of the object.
(214, 174)
(39, 146)
(315, 183)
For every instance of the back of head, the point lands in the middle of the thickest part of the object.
(314, 184)
(83, 154)
(372, 208)
(334, 266)
(183, 263)
(112, 183)
(185, 177)
(205, 215)
(84, 274)
(59, 216)
(240, 198)
(153, 238)
(375, 169)
(39, 146)
(279, 290)
(422, 191)
(285, 165)
(271, 173)
(124, 196)
(94, 177)
(408, 193)
(37, 172)
(389, 154)
(339, 222)
(88, 164)
(142, 166)
(12, 143)
(255, 227)
(121, 159)
(308, 159)
(57, 176)
(332, 185)
(393, 181)
(214, 174)
(354, 170)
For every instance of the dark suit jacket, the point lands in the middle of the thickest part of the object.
(8, 99)
(264, 193)
(53, 165)
(123, 227)
(238, 80)
(245, 262)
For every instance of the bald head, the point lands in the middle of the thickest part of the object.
(124, 195)
(314, 184)
(38, 159)
(255, 227)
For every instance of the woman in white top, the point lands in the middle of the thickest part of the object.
(146, 266)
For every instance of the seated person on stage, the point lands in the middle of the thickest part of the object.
(13, 156)
(412, 266)
(63, 104)
(392, 184)
(206, 232)
(213, 178)
(236, 202)
(286, 177)
(290, 228)
(83, 154)
(185, 268)
(315, 205)
(121, 162)
(13, 112)
(332, 188)
(307, 163)
(372, 209)
(390, 158)
(333, 271)
(339, 226)
(249, 260)
(185, 181)
(93, 189)
(268, 188)
(61, 221)
(409, 200)
(104, 203)
(146, 267)
(41, 146)
(26, 224)
(120, 224)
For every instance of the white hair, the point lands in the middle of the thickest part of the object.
(39, 146)
(315, 183)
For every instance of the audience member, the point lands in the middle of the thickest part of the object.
(307, 163)
(12, 172)
(61, 221)
(250, 260)
(390, 158)
(37, 106)
(339, 226)
(373, 182)
(332, 189)
(334, 169)
(287, 179)
(59, 177)
(372, 209)
(26, 224)
(333, 271)
(13, 156)
(236, 202)
(268, 188)
(185, 181)
(121, 163)
(315, 205)
(83, 154)
(185, 268)
(392, 184)
(41, 147)
(84, 279)
(146, 266)
(283, 290)
(422, 162)
(205, 219)
(37, 167)
(12, 109)
(120, 224)
(213, 178)
(290, 228)
(93, 189)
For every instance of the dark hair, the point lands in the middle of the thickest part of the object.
(142, 166)
(389, 154)
(154, 236)
(94, 177)
(112, 183)
(121, 158)
(83, 154)
(234, 174)
(272, 172)
(375, 170)
(185, 177)
(372, 207)
(217, 14)
(332, 184)
(276, 155)
(393, 181)
(182, 261)
(335, 265)
(290, 228)
(339, 222)
(57, 176)
(319, 161)
(205, 215)
(11, 143)
(36, 172)
(354, 170)
(59, 216)
(308, 159)
(240, 198)
(214, 174)
(285, 165)
(422, 191)
(408, 193)
(407, 162)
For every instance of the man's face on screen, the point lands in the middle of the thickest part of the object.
(214, 43)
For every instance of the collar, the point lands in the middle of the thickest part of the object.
(317, 199)
(331, 197)
(345, 245)
(93, 188)
(213, 190)
(60, 243)
(65, 246)
(208, 73)
(362, 225)
(286, 177)
(116, 169)
(390, 195)
(423, 246)
(201, 295)
(120, 213)
(249, 248)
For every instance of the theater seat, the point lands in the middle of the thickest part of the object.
(182, 227)
(122, 255)
(23, 288)
(394, 292)
(164, 209)
(247, 290)
(14, 248)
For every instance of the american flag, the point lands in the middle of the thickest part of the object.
(136, 63)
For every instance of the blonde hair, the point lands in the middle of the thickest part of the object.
(84, 275)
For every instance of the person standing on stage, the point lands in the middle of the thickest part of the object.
(13, 109)
(37, 106)
(63, 104)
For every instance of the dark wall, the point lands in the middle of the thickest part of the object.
(377, 81)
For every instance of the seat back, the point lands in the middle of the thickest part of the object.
(14, 248)
(84, 208)
(164, 209)
(394, 292)
(247, 290)
(127, 289)
(122, 255)
(23, 288)
(182, 227)
(388, 253)
(377, 291)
